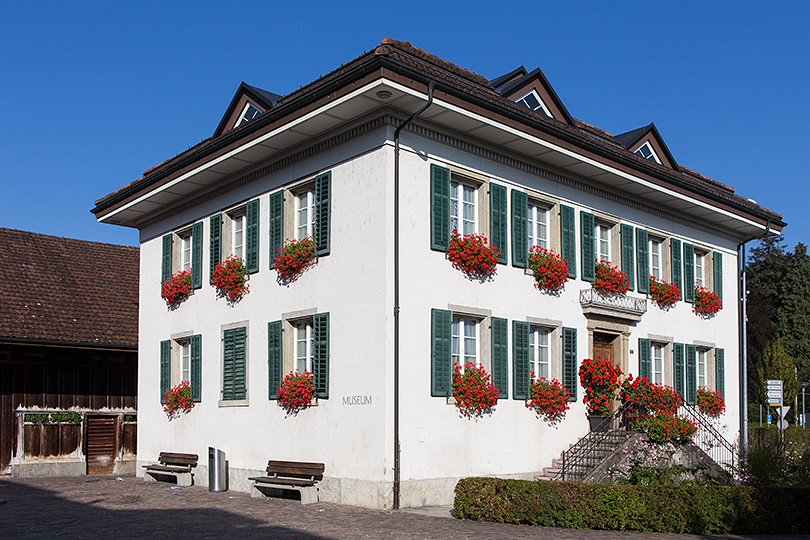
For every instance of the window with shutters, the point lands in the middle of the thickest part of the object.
(538, 225)
(234, 365)
(533, 222)
(701, 367)
(463, 197)
(183, 250)
(540, 352)
(699, 269)
(181, 360)
(236, 232)
(544, 348)
(304, 214)
(602, 233)
(464, 341)
(655, 258)
(597, 242)
(658, 362)
(299, 342)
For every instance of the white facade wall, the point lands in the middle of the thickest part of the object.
(354, 283)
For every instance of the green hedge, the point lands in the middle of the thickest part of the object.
(674, 509)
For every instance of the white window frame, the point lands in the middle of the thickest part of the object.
(700, 269)
(650, 149)
(702, 364)
(304, 206)
(460, 352)
(185, 361)
(656, 248)
(657, 357)
(459, 203)
(539, 346)
(243, 119)
(538, 230)
(185, 252)
(541, 107)
(303, 358)
(238, 226)
(600, 242)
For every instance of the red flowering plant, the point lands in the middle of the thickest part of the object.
(177, 288)
(706, 302)
(473, 390)
(669, 428)
(472, 254)
(549, 399)
(293, 257)
(610, 280)
(550, 270)
(230, 277)
(178, 400)
(664, 294)
(709, 402)
(296, 391)
(644, 398)
(600, 380)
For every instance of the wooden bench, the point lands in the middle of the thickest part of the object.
(300, 476)
(172, 464)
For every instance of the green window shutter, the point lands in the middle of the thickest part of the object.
(688, 272)
(441, 376)
(439, 208)
(500, 356)
(166, 260)
(691, 374)
(720, 371)
(276, 221)
(165, 368)
(644, 358)
(520, 229)
(323, 218)
(234, 355)
(643, 260)
(568, 239)
(498, 220)
(675, 250)
(274, 358)
(569, 339)
(252, 236)
(628, 255)
(586, 225)
(196, 367)
(521, 376)
(215, 255)
(320, 354)
(679, 367)
(196, 255)
(717, 263)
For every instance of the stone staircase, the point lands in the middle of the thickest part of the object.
(584, 456)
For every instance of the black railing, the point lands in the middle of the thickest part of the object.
(583, 457)
(709, 439)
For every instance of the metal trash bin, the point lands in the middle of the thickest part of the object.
(217, 472)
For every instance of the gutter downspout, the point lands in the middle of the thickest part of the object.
(743, 324)
(431, 87)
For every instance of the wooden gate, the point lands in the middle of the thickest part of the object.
(101, 443)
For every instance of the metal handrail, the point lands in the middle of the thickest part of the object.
(708, 439)
(581, 454)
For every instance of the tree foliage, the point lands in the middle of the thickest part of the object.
(777, 364)
(793, 311)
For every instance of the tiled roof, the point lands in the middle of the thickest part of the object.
(57, 289)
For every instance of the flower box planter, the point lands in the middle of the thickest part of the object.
(178, 400)
(549, 269)
(600, 380)
(549, 399)
(608, 279)
(473, 391)
(230, 278)
(472, 254)
(710, 403)
(706, 303)
(296, 392)
(294, 257)
(664, 294)
(177, 288)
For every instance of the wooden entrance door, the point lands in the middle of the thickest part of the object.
(603, 346)
(101, 443)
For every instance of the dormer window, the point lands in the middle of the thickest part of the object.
(249, 113)
(646, 151)
(532, 101)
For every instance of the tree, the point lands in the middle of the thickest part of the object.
(793, 311)
(776, 364)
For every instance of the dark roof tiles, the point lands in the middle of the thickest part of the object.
(65, 290)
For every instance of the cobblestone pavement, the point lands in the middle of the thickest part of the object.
(97, 507)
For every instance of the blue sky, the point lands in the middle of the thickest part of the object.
(92, 94)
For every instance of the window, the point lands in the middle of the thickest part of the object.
(701, 368)
(533, 102)
(658, 363)
(188, 256)
(538, 226)
(305, 214)
(462, 208)
(539, 357)
(699, 270)
(299, 342)
(646, 151)
(238, 238)
(234, 364)
(602, 241)
(236, 232)
(248, 113)
(655, 259)
(181, 360)
(465, 342)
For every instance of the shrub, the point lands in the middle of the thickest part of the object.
(610, 280)
(230, 277)
(664, 294)
(177, 288)
(673, 509)
(599, 378)
(473, 390)
(549, 399)
(472, 254)
(549, 269)
(293, 257)
(770, 461)
(709, 402)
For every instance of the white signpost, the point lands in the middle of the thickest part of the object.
(773, 389)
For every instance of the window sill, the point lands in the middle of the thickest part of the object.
(233, 403)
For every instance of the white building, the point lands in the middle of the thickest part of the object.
(510, 156)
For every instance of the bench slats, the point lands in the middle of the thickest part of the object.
(176, 458)
(167, 468)
(282, 481)
(296, 468)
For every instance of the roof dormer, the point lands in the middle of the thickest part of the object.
(647, 143)
(533, 91)
(248, 103)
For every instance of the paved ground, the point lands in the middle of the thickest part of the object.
(98, 507)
